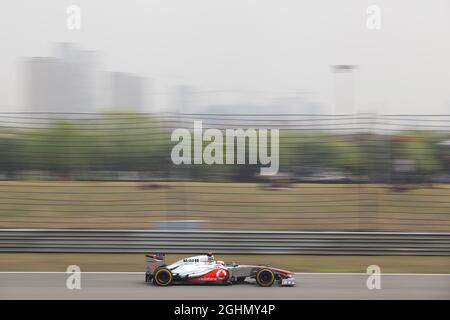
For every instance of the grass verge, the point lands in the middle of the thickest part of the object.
(136, 262)
(245, 206)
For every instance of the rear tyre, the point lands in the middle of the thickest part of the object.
(265, 278)
(162, 277)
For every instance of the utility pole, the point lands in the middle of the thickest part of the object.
(344, 104)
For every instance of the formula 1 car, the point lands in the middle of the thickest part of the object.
(203, 269)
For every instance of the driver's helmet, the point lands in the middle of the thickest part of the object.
(210, 256)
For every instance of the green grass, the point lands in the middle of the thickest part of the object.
(45, 204)
(136, 262)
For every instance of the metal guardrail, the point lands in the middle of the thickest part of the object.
(238, 242)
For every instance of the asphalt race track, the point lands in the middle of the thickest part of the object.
(309, 286)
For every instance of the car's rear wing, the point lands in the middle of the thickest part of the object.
(153, 261)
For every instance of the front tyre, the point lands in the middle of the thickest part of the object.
(265, 278)
(162, 277)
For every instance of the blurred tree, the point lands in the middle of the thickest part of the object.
(348, 156)
(10, 157)
(135, 142)
(56, 148)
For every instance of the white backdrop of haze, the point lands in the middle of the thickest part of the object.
(263, 46)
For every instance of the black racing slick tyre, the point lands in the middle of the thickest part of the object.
(265, 278)
(162, 277)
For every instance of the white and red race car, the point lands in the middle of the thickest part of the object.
(203, 269)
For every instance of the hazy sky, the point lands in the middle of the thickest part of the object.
(265, 47)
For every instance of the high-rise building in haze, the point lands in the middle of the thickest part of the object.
(127, 92)
(182, 99)
(64, 83)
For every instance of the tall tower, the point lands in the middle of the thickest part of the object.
(344, 89)
(128, 92)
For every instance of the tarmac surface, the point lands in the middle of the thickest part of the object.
(309, 286)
